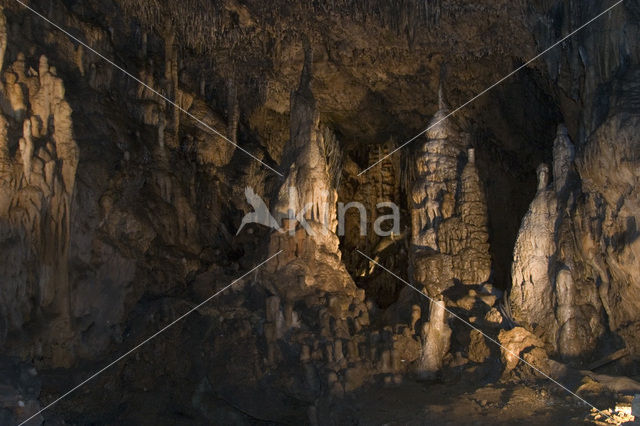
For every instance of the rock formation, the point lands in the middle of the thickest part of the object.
(449, 227)
(37, 191)
(436, 334)
(532, 291)
(306, 193)
(332, 332)
(544, 295)
(117, 214)
(449, 213)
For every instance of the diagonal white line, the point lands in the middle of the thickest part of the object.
(160, 95)
(442, 305)
(492, 86)
(130, 351)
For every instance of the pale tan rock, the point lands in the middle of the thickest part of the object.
(436, 335)
(517, 340)
(15, 93)
(531, 298)
(493, 317)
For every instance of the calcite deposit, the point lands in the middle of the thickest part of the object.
(37, 189)
(550, 294)
(365, 255)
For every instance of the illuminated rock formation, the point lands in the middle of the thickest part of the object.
(449, 226)
(553, 294)
(307, 189)
(36, 209)
(436, 334)
(532, 291)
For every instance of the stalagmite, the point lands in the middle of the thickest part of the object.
(569, 334)
(161, 128)
(552, 294)
(203, 87)
(563, 156)
(79, 59)
(436, 166)
(436, 335)
(531, 296)
(449, 225)
(93, 76)
(143, 45)
(474, 263)
(307, 189)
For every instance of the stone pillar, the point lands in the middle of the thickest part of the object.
(436, 335)
(531, 298)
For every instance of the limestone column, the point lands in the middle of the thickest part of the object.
(532, 298)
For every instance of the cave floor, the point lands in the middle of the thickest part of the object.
(466, 399)
(415, 403)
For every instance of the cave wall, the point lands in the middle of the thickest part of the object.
(122, 214)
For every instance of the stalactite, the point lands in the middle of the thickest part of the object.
(233, 110)
(79, 59)
(16, 96)
(3, 36)
(26, 149)
(177, 93)
(5, 159)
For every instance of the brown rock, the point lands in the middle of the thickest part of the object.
(478, 349)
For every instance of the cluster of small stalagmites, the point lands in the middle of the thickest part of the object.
(37, 182)
(338, 350)
(550, 293)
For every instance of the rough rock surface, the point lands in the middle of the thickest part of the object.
(449, 233)
(36, 196)
(118, 213)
